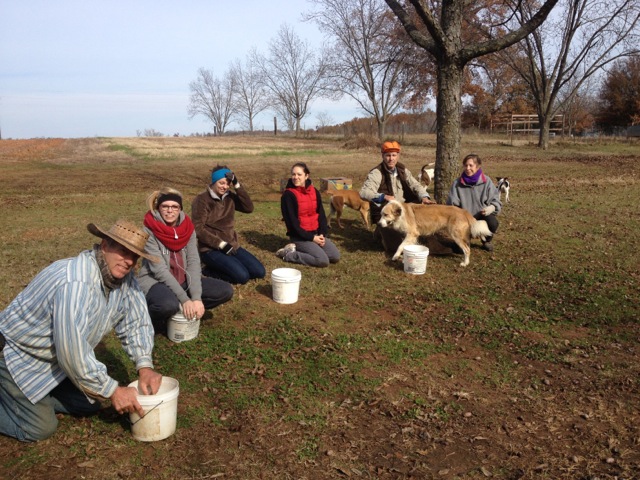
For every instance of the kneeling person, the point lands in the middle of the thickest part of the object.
(49, 331)
(176, 282)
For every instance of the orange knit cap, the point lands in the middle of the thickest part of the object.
(390, 147)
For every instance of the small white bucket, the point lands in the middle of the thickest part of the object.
(285, 283)
(179, 329)
(415, 259)
(160, 412)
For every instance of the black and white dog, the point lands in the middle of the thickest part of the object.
(503, 187)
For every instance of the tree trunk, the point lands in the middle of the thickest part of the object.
(382, 126)
(544, 122)
(448, 114)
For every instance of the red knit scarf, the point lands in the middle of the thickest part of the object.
(174, 238)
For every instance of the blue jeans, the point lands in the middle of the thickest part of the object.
(237, 268)
(21, 419)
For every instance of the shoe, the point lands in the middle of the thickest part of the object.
(288, 248)
(488, 246)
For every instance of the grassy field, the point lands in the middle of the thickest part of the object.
(522, 365)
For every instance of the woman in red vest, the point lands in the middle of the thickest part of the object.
(306, 222)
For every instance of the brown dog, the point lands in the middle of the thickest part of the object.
(350, 198)
(414, 220)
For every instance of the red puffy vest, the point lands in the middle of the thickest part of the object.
(307, 207)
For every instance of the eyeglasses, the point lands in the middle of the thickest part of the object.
(170, 207)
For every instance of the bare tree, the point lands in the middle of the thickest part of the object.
(251, 96)
(437, 27)
(578, 107)
(575, 43)
(283, 113)
(293, 72)
(324, 119)
(213, 98)
(367, 61)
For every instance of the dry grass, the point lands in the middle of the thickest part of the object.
(523, 365)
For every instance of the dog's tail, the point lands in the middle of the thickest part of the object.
(480, 229)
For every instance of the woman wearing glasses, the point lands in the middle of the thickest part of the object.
(213, 213)
(176, 281)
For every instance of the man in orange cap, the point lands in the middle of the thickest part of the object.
(391, 180)
(49, 331)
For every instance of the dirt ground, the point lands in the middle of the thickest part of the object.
(576, 417)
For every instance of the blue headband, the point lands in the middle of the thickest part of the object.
(218, 174)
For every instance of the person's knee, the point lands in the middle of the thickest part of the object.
(227, 292)
(41, 431)
(322, 262)
(162, 311)
(241, 277)
(223, 294)
(260, 272)
(493, 223)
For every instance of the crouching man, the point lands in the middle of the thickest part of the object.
(391, 180)
(49, 331)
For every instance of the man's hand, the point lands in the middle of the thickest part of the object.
(149, 381)
(125, 400)
(427, 201)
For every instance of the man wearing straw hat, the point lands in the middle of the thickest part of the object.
(49, 331)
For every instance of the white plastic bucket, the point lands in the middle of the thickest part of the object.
(179, 329)
(285, 284)
(160, 412)
(415, 259)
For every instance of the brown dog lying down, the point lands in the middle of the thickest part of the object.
(414, 220)
(350, 198)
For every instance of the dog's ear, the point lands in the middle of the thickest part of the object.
(396, 209)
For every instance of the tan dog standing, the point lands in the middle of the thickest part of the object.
(350, 198)
(415, 220)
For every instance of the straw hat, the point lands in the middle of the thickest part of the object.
(126, 234)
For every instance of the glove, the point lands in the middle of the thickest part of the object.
(226, 248)
(486, 211)
(233, 180)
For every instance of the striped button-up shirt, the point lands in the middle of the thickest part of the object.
(52, 327)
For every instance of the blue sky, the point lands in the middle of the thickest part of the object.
(110, 68)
